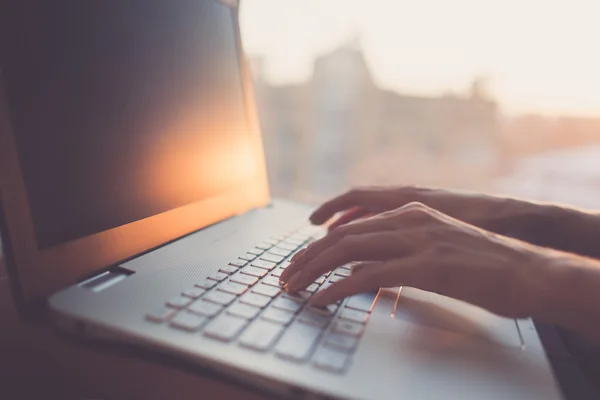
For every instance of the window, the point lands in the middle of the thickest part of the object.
(482, 95)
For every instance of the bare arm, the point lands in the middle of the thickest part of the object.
(571, 293)
(543, 224)
(421, 247)
(566, 229)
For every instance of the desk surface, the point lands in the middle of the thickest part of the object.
(38, 362)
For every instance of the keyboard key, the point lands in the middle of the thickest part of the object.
(257, 300)
(272, 242)
(232, 287)
(320, 280)
(347, 328)
(354, 315)
(271, 281)
(305, 294)
(248, 257)
(309, 230)
(265, 245)
(243, 310)
(326, 285)
(287, 246)
(301, 298)
(220, 298)
(238, 263)
(328, 310)
(244, 279)
(280, 252)
(362, 302)
(304, 237)
(264, 264)
(284, 264)
(336, 278)
(272, 258)
(225, 328)
(331, 360)
(314, 318)
(218, 276)
(312, 288)
(266, 290)
(188, 322)
(277, 272)
(298, 250)
(298, 237)
(205, 308)
(179, 302)
(341, 342)
(261, 335)
(206, 283)
(279, 316)
(294, 241)
(161, 315)
(343, 272)
(228, 269)
(287, 304)
(194, 293)
(256, 251)
(298, 342)
(254, 271)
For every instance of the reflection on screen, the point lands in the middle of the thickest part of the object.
(123, 110)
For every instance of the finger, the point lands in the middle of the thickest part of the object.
(357, 267)
(349, 216)
(370, 199)
(298, 254)
(364, 247)
(392, 273)
(385, 221)
(367, 226)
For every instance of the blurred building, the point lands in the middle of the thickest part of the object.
(570, 176)
(341, 129)
(531, 134)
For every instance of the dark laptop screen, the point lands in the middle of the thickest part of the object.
(123, 109)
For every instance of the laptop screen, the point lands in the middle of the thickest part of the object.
(122, 110)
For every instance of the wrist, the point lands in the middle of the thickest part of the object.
(567, 292)
(572, 230)
(552, 272)
(536, 223)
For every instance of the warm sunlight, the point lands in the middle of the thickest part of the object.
(540, 56)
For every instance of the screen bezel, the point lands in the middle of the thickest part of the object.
(38, 273)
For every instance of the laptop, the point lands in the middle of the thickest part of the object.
(136, 209)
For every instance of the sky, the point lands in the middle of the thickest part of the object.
(541, 56)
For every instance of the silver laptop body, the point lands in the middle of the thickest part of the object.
(135, 206)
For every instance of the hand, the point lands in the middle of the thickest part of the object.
(420, 247)
(516, 218)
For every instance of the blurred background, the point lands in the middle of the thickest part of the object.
(498, 96)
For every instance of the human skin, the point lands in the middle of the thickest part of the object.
(458, 245)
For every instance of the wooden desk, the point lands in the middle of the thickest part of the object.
(36, 362)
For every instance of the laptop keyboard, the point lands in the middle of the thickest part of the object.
(244, 304)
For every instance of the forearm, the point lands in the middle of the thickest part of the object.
(569, 293)
(570, 230)
(557, 227)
